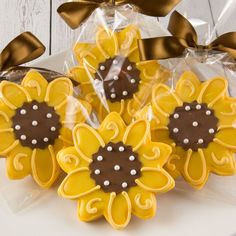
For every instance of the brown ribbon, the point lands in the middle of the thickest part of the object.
(24, 48)
(74, 13)
(184, 36)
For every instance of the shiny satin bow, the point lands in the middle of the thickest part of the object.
(24, 48)
(74, 13)
(184, 36)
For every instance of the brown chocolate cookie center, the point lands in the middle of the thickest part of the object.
(193, 126)
(36, 125)
(115, 167)
(120, 78)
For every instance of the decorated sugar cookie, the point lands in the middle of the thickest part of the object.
(198, 120)
(111, 75)
(114, 171)
(36, 119)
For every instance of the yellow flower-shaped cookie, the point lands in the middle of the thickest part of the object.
(111, 75)
(199, 121)
(36, 119)
(114, 171)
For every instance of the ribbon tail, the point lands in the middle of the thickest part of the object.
(75, 13)
(226, 43)
(24, 48)
(161, 48)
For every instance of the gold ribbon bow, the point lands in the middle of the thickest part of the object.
(24, 48)
(74, 13)
(184, 36)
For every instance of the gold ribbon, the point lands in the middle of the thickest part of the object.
(184, 36)
(74, 13)
(24, 48)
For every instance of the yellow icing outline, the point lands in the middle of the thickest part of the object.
(34, 84)
(16, 161)
(10, 148)
(157, 153)
(92, 210)
(5, 116)
(148, 202)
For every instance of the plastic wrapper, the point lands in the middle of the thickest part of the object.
(202, 84)
(105, 61)
(38, 112)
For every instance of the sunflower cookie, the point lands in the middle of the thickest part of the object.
(111, 75)
(36, 118)
(117, 173)
(198, 120)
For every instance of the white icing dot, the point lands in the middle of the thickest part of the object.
(49, 115)
(23, 112)
(133, 172)
(113, 95)
(198, 107)
(35, 107)
(109, 148)
(102, 67)
(176, 116)
(187, 108)
(106, 183)
(116, 77)
(53, 128)
(132, 81)
(97, 172)
(23, 137)
(186, 141)
(34, 122)
(129, 68)
(121, 148)
(124, 185)
(116, 167)
(175, 130)
(125, 93)
(34, 141)
(45, 139)
(17, 127)
(100, 158)
(132, 158)
(208, 112)
(211, 131)
(115, 62)
(200, 141)
(195, 123)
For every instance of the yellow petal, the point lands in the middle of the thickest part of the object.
(88, 55)
(165, 100)
(128, 45)
(162, 135)
(118, 211)
(19, 162)
(137, 134)
(92, 206)
(195, 170)
(5, 116)
(112, 128)
(212, 91)
(58, 92)
(36, 85)
(220, 160)
(79, 74)
(8, 141)
(154, 154)
(69, 159)
(77, 184)
(44, 166)
(13, 95)
(83, 135)
(226, 138)
(188, 87)
(155, 180)
(107, 42)
(225, 111)
(143, 202)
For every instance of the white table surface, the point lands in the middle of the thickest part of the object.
(178, 214)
